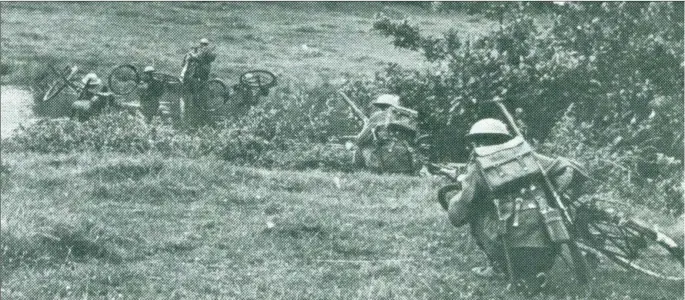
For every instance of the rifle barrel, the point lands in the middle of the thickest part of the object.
(354, 107)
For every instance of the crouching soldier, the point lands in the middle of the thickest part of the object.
(504, 200)
(386, 143)
(94, 98)
(150, 91)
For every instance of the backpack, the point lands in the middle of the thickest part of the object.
(514, 179)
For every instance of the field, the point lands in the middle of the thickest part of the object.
(301, 41)
(151, 227)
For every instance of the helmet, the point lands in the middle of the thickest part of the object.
(387, 99)
(488, 127)
(149, 69)
(93, 78)
(204, 41)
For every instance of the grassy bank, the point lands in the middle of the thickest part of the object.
(99, 36)
(150, 227)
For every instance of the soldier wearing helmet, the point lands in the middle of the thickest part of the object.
(94, 97)
(196, 69)
(386, 143)
(531, 254)
(249, 90)
(150, 91)
(202, 58)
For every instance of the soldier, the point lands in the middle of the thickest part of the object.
(249, 92)
(202, 58)
(385, 144)
(150, 90)
(93, 98)
(527, 250)
(196, 68)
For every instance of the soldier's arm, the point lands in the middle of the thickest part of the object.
(566, 174)
(461, 208)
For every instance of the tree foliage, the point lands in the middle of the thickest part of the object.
(621, 64)
(617, 67)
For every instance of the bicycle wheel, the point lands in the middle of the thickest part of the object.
(631, 244)
(217, 94)
(123, 79)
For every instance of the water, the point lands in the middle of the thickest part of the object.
(15, 109)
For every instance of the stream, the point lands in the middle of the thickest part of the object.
(15, 109)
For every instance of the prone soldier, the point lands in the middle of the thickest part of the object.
(386, 144)
(92, 100)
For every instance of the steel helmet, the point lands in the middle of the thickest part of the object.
(93, 78)
(488, 126)
(204, 41)
(250, 77)
(387, 99)
(149, 69)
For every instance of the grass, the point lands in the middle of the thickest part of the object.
(101, 225)
(247, 35)
(143, 227)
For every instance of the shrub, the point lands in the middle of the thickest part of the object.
(260, 139)
(618, 62)
(619, 174)
(620, 65)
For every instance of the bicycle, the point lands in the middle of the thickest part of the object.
(627, 241)
(124, 78)
(52, 82)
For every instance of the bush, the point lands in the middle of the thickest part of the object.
(619, 174)
(620, 65)
(259, 139)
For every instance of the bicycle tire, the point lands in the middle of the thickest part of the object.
(57, 86)
(123, 79)
(217, 94)
(631, 244)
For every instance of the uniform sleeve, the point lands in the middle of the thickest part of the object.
(460, 209)
(365, 136)
(566, 174)
(207, 56)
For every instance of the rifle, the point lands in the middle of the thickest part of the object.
(408, 111)
(355, 108)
